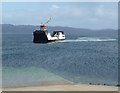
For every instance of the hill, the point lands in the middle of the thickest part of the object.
(28, 29)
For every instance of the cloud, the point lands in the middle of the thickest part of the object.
(100, 11)
(55, 6)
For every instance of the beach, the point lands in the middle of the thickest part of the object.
(64, 87)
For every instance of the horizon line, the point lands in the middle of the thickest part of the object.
(61, 26)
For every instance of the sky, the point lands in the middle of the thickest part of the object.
(92, 15)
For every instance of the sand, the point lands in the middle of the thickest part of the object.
(65, 87)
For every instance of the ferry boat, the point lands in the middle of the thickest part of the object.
(43, 36)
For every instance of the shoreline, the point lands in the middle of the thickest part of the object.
(63, 87)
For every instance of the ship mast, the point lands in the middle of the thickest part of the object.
(43, 25)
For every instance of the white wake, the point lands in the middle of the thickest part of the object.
(90, 39)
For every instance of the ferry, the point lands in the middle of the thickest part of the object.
(43, 36)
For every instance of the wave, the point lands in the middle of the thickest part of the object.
(90, 39)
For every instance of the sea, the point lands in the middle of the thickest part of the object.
(76, 60)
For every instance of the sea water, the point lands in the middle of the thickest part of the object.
(76, 59)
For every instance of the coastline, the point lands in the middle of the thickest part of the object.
(63, 87)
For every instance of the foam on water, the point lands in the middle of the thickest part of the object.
(90, 39)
